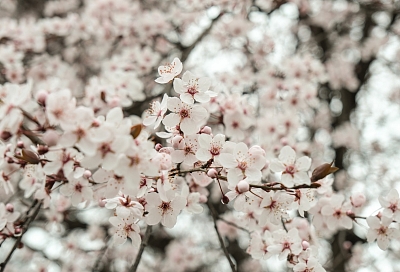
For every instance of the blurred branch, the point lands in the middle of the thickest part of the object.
(214, 216)
(145, 240)
(24, 229)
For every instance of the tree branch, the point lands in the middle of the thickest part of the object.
(221, 241)
(24, 229)
(145, 240)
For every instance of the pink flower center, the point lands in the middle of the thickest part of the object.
(290, 170)
(393, 207)
(184, 113)
(242, 165)
(78, 187)
(192, 90)
(165, 206)
(382, 230)
(215, 150)
(286, 245)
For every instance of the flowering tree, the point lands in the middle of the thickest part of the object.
(215, 135)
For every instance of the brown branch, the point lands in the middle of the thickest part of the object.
(145, 240)
(24, 229)
(187, 50)
(221, 241)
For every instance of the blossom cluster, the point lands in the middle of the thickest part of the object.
(74, 137)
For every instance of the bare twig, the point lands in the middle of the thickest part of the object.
(145, 240)
(233, 224)
(24, 229)
(214, 216)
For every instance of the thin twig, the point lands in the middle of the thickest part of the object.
(145, 240)
(221, 241)
(24, 229)
(233, 224)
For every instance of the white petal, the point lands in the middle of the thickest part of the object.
(287, 155)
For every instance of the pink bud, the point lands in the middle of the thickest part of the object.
(87, 174)
(243, 186)
(177, 141)
(17, 231)
(115, 102)
(20, 144)
(50, 137)
(101, 203)
(10, 207)
(158, 147)
(41, 97)
(350, 213)
(212, 173)
(42, 149)
(203, 199)
(206, 130)
(305, 245)
(357, 199)
(5, 135)
(96, 123)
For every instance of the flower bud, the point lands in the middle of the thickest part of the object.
(158, 147)
(42, 149)
(203, 199)
(243, 186)
(212, 173)
(177, 141)
(101, 203)
(114, 102)
(87, 174)
(10, 207)
(17, 231)
(5, 135)
(41, 97)
(357, 199)
(350, 214)
(305, 245)
(206, 130)
(50, 137)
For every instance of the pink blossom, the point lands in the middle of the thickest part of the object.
(126, 227)
(188, 117)
(380, 231)
(164, 210)
(293, 171)
(192, 88)
(168, 72)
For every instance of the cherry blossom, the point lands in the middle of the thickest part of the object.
(275, 207)
(192, 88)
(293, 171)
(244, 162)
(285, 243)
(164, 210)
(168, 72)
(380, 231)
(126, 228)
(78, 189)
(210, 147)
(156, 113)
(188, 117)
(391, 205)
